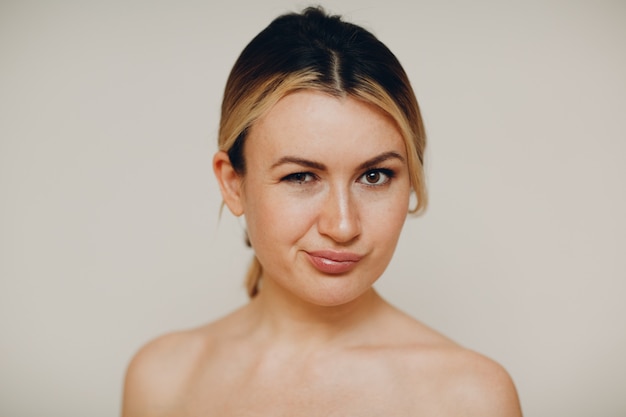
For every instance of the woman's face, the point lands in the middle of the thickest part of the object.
(325, 195)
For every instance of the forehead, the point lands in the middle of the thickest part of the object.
(312, 122)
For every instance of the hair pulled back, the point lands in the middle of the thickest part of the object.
(318, 51)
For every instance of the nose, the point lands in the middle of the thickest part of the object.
(339, 216)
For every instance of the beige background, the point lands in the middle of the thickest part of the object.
(109, 231)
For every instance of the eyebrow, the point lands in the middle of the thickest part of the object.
(370, 163)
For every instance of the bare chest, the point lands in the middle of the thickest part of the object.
(356, 388)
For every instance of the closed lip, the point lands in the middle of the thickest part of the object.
(333, 262)
(336, 256)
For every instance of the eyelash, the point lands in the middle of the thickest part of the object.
(301, 178)
(296, 177)
(387, 173)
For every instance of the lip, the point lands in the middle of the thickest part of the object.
(333, 262)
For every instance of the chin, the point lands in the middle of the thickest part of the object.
(335, 295)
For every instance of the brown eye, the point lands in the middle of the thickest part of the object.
(372, 177)
(376, 177)
(299, 178)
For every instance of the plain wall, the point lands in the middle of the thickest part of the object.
(109, 226)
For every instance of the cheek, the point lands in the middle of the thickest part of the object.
(384, 219)
(389, 226)
(274, 219)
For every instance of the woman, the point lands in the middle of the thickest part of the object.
(321, 144)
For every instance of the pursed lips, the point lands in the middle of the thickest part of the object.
(333, 262)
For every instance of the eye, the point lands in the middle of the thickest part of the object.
(376, 177)
(299, 177)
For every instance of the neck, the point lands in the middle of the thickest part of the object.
(282, 317)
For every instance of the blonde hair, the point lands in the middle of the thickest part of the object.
(314, 50)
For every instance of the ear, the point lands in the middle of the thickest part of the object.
(230, 182)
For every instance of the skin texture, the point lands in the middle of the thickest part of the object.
(326, 180)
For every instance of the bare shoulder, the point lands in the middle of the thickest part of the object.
(449, 380)
(159, 372)
(478, 386)
(445, 378)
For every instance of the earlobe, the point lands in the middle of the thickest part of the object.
(230, 182)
